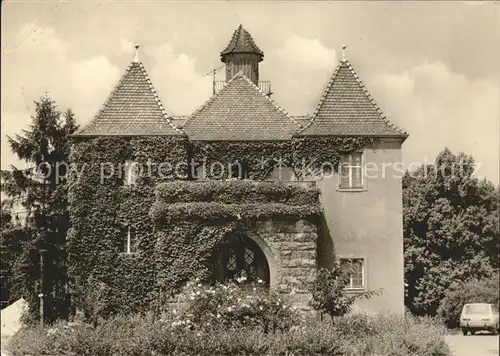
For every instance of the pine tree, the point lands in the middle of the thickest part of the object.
(41, 190)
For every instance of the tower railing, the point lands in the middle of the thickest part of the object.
(264, 86)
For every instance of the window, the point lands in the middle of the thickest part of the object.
(239, 170)
(282, 174)
(129, 241)
(131, 172)
(351, 171)
(200, 172)
(355, 267)
(483, 309)
(242, 257)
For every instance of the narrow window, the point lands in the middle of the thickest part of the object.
(200, 173)
(356, 270)
(130, 243)
(239, 170)
(131, 171)
(351, 171)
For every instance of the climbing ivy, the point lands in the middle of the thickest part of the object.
(178, 223)
(101, 205)
(305, 155)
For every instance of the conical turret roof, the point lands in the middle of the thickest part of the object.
(242, 42)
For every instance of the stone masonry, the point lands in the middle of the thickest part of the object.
(291, 256)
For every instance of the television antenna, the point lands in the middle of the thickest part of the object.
(212, 72)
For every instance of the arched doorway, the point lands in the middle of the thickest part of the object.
(240, 255)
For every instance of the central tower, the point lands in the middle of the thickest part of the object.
(242, 54)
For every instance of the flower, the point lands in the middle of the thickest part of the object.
(260, 281)
(241, 279)
(199, 284)
(52, 331)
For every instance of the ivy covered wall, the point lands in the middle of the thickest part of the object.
(101, 206)
(179, 225)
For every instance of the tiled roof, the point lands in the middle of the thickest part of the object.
(346, 108)
(242, 42)
(178, 121)
(240, 112)
(133, 108)
(302, 120)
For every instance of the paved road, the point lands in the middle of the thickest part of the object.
(477, 345)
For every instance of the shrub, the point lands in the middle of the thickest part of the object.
(232, 305)
(474, 291)
(329, 291)
(139, 335)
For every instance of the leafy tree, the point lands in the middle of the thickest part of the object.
(451, 229)
(41, 190)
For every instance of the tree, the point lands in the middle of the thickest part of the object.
(41, 190)
(451, 229)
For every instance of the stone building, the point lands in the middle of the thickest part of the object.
(361, 213)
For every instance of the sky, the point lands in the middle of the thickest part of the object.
(432, 67)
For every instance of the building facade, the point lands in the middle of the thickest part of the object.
(354, 190)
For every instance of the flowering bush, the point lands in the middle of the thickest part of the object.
(234, 305)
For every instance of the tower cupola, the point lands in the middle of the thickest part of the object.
(242, 55)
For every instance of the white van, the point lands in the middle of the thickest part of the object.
(479, 316)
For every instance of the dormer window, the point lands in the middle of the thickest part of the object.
(351, 172)
(131, 171)
(129, 240)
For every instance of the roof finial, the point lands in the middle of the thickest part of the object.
(343, 52)
(136, 59)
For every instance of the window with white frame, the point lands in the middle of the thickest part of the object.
(129, 241)
(131, 172)
(351, 171)
(355, 267)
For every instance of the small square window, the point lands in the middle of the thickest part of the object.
(356, 269)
